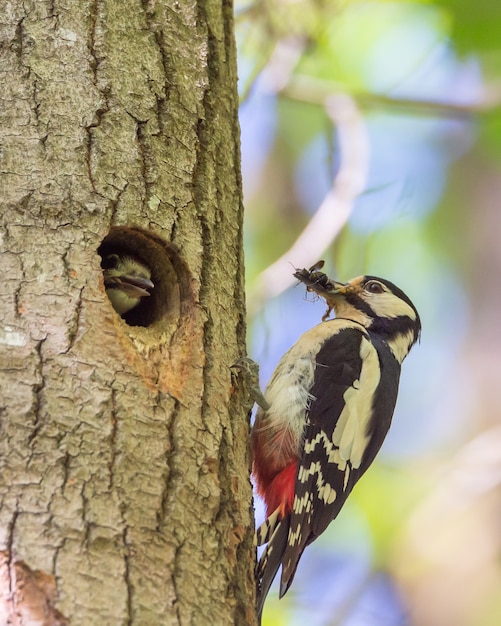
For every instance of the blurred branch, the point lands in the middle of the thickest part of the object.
(276, 67)
(314, 91)
(286, 56)
(279, 77)
(474, 471)
(461, 492)
(335, 209)
(252, 10)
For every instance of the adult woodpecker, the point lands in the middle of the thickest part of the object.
(126, 280)
(325, 414)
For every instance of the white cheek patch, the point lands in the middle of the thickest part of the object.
(400, 345)
(388, 305)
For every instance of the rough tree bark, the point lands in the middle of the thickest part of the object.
(124, 489)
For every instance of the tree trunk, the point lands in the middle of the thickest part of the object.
(124, 470)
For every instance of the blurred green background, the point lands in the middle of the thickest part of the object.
(371, 138)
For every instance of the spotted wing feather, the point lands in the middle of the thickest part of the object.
(346, 425)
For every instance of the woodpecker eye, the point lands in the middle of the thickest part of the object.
(374, 287)
(110, 261)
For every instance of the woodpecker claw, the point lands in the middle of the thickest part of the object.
(250, 372)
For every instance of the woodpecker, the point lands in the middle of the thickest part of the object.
(325, 414)
(126, 280)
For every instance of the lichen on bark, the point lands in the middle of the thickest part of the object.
(124, 476)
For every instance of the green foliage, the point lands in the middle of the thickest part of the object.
(351, 48)
(475, 24)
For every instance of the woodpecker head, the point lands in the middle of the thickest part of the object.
(126, 280)
(374, 302)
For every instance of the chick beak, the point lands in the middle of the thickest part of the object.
(133, 286)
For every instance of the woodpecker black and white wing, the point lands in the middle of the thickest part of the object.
(270, 562)
(354, 394)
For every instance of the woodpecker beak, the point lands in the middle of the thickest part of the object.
(319, 283)
(126, 280)
(331, 290)
(133, 286)
(338, 289)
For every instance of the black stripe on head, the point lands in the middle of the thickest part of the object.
(400, 324)
(395, 290)
(387, 326)
(358, 303)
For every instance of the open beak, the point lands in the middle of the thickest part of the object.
(134, 286)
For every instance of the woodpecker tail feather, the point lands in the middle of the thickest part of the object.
(289, 568)
(270, 561)
(267, 528)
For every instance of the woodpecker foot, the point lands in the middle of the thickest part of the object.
(250, 372)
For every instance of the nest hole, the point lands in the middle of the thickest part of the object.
(168, 274)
